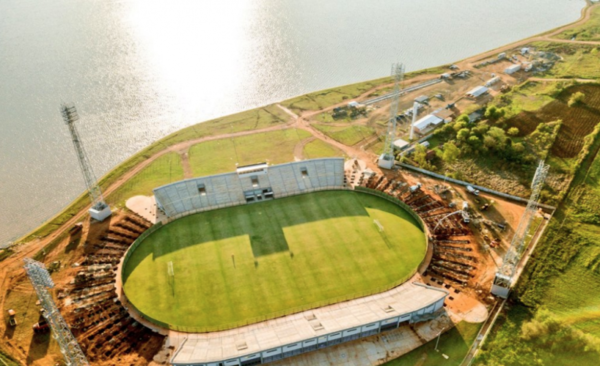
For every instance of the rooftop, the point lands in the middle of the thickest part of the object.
(217, 346)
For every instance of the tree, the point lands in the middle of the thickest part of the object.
(474, 141)
(459, 125)
(420, 156)
(494, 113)
(489, 142)
(451, 152)
(480, 129)
(576, 98)
(464, 118)
(513, 131)
(498, 134)
(463, 134)
(518, 147)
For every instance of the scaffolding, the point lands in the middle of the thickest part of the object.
(386, 160)
(504, 276)
(41, 281)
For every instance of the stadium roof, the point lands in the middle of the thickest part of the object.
(217, 346)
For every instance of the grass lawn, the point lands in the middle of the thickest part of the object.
(248, 263)
(221, 156)
(589, 31)
(455, 344)
(164, 170)
(350, 135)
(319, 149)
(325, 98)
(243, 121)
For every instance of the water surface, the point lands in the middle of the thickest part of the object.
(138, 70)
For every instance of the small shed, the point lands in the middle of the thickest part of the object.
(512, 69)
(445, 114)
(401, 144)
(477, 92)
(492, 81)
(427, 123)
(445, 76)
(477, 115)
(423, 99)
(353, 104)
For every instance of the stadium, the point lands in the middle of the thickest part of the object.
(268, 262)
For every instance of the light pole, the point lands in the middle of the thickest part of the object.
(438, 341)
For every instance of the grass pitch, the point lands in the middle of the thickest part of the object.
(249, 263)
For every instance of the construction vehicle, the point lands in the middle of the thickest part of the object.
(12, 318)
(41, 327)
(76, 228)
(473, 191)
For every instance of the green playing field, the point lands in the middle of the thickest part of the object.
(244, 264)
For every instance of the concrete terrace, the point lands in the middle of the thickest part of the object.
(405, 301)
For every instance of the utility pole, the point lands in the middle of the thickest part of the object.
(100, 210)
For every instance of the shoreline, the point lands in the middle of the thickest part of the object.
(134, 164)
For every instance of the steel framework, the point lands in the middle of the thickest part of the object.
(390, 137)
(70, 116)
(41, 281)
(504, 276)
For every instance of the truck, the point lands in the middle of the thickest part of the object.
(473, 191)
(12, 318)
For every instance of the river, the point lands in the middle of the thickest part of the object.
(138, 70)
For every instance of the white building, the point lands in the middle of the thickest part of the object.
(477, 92)
(492, 81)
(401, 144)
(512, 69)
(427, 123)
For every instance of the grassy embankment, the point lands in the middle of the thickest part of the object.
(557, 319)
(6, 360)
(579, 61)
(590, 31)
(455, 344)
(249, 263)
(532, 121)
(351, 134)
(245, 121)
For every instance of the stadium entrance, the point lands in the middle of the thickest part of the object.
(257, 195)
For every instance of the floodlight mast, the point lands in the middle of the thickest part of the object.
(504, 276)
(386, 160)
(100, 209)
(40, 279)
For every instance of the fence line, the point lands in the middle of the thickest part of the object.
(463, 183)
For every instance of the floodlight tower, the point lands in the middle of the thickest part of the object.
(386, 160)
(41, 281)
(100, 210)
(504, 276)
(414, 119)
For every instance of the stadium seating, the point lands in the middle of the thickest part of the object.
(205, 193)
